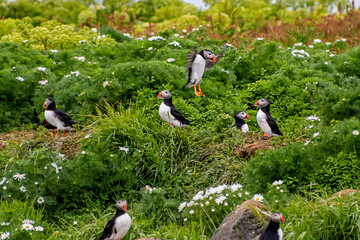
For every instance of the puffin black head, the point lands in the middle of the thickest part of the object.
(208, 55)
(49, 103)
(121, 205)
(242, 115)
(262, 103)
(165, 94)
(277, 217)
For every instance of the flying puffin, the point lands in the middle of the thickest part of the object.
(169, 113)
(240, 123)
(57, 118)
(197, 64)
(119, 225)
(273, 230)
(265, 120)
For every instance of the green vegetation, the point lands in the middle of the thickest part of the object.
(179, 183)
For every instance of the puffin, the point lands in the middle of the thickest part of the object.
(265, 120)
(169, 113)
(119, 225)
(240, 123)
(273, 230)
(57, 118)
(197, 64)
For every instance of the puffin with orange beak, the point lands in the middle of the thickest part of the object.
(265, 120)
(119, 225)
(240, 123)
(273, 230)
(57, 118)
(169, 113)
(197, 64)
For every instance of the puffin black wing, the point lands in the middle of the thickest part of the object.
(209, 64)
(179, 116)
(273, 125)
(108, 228)
(64, 117)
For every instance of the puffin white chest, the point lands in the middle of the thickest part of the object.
(165, 114)
(280, 233)
(121, 227)
(50, 116)
(245, 128)
(197, 69)
(262, 121)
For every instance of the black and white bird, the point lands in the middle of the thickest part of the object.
(273, 230)
(240, 123)
(265, 120)
(197, 64)
(57, 118)
(119, 225)
(169, 113)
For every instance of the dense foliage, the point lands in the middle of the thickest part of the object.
(180, 183)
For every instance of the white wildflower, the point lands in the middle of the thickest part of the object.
(39, 228)
(277, 183)
(43, 82)
(125, 149)
(258, 197)
(20, 79)
(2, 181)
(19, 176)
(40, 200)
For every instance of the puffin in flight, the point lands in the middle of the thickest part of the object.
(119, 225)
(265, 120)
(240, 123)
(197, 64)
(169, 113)
(273, 230)
(56, 117)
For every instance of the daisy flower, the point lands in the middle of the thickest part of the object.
(170, 60)
(23, 189)
(40, 200)
(105, 83)
(39, 228)
(258, 197)
(5, 235)
(19, 176)
(27, 226)
(355, 133)
(277, 183)
(20, 79)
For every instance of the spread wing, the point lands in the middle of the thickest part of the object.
(209, 64)
(64, 117)
(108, 229)
(273, 125)
(190, 59)
(179, 116)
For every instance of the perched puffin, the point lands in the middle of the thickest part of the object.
(240, 123)
(169, 113)
(119, 225)
(273, 230)
(197, 64)
(56, 117)
(265, 120)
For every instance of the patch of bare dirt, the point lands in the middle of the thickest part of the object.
(254, 143)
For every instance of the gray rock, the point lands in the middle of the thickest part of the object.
(246, 222)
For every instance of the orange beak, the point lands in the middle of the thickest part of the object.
(256, 104)
(159, 95)
(214, 59)
(282, 219)
(247, 116)
(44, 106)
